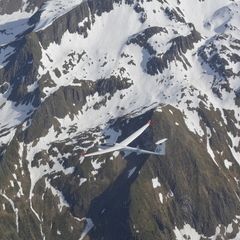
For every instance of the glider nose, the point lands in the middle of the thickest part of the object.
(82, 154)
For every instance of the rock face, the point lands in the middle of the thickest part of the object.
(10, 6)
(75, 75)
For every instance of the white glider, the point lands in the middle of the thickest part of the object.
(160, 145)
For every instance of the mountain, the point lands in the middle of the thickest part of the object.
(75, 74)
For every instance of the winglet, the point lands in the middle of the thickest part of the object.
(161, 141)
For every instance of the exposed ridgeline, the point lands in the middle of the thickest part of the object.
(11, 6)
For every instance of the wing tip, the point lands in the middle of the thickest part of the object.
(152, 122)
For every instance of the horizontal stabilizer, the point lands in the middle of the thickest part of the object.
(138, 150)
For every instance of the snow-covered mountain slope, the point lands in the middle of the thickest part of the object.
(52, 10)
(75, 74)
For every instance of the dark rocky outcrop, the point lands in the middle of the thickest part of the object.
(142, 38)
(69, 101)
(69, 21)
(11, 6)
(33, 4)
(22, 69)
(174, 15)
(179, 47)
(219, 60)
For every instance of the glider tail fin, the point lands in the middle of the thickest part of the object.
(161, 147)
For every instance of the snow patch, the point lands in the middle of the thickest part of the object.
(155, 182)
(187, 232)
(161, 197)
(227, 163)
(96, 164)
(13, 208)
(82, 181)
(62, 202)
(209, 149)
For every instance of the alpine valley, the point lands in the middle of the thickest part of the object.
(75, 74)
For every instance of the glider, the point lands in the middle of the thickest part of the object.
(159, 150)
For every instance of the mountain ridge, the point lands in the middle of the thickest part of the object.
(81, 73)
